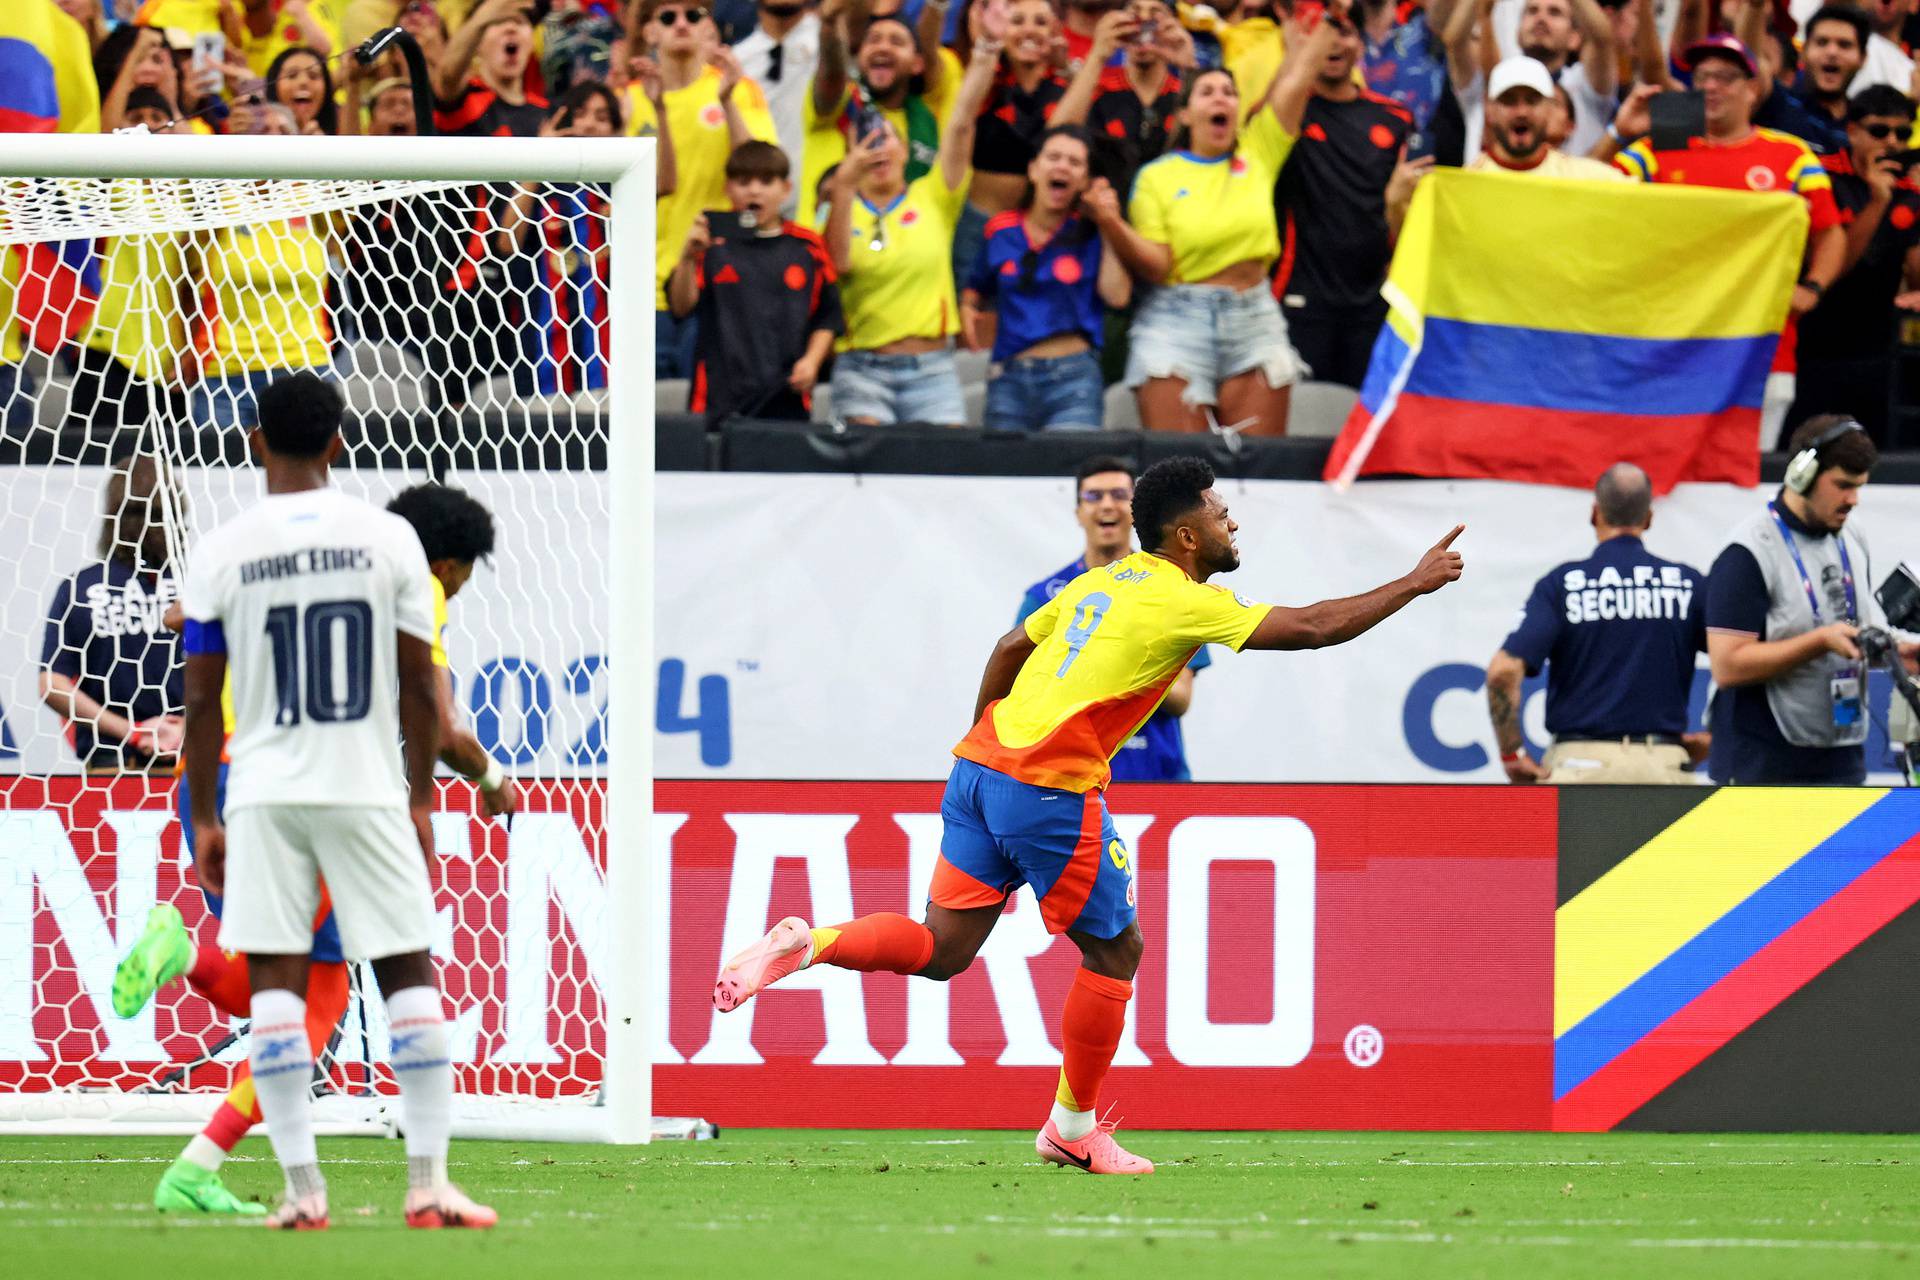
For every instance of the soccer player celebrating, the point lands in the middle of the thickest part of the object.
(321, 605)
(1061, 693)
(455, 531)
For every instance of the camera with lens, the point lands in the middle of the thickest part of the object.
(1899, 598)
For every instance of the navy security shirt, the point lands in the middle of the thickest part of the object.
(1155, 754)
(105, 633)
(1617, 633)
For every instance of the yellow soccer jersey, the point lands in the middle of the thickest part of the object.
(1214, 213)
(701, 145)
(440, 625)
(1110, 645)
(901, 289)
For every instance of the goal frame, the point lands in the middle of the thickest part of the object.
(627, 166)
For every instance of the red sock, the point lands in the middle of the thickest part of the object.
(229, 1123)
(1090, 1030)
(884, 943)
(222, 978)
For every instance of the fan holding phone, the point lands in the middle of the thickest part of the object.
(1847, 342)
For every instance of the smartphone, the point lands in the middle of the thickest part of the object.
(863, 118)
(728, 224)
(209, 52)
(1677, 119)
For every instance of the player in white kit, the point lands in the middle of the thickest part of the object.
(321, 607)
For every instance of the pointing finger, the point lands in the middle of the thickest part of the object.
(1448, 540)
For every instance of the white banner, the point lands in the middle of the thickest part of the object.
(817, 626)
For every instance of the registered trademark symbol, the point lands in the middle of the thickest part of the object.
(1364, 1046)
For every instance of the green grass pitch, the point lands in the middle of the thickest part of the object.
(886, 1204)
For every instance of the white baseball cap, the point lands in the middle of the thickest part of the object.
(1517, 72)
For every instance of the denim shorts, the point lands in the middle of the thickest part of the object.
(1047, 393)
(890, 389)
(1207, 333)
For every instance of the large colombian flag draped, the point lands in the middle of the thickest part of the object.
(1543, 328)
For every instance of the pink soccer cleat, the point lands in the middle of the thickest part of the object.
(445, 1207)
(1095, 1153)
(303, 1213)
(786, 948)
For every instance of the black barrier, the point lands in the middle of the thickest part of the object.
(560, 436)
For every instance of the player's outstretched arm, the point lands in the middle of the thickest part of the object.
(202, 679)
(419, 729)
(1009, 655)
(1338, 621)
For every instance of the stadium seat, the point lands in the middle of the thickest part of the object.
(1319, 409)
(671, 395)
(974, 396)
(972, 367)
(1123, 411)
(381, 379)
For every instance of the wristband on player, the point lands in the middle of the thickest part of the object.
(1512, 757)
(493, 779)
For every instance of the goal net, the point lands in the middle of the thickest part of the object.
(467, 299)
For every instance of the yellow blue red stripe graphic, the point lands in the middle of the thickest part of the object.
(1711, 924)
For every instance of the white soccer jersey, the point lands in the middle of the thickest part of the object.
(305, 593)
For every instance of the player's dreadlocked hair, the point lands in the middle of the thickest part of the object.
(1166, 491)
(451, 523)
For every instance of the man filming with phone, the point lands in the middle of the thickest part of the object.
(1786, 601)
(1736, 156)
(1847, 342)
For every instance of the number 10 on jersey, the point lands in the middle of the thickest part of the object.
(336, 637)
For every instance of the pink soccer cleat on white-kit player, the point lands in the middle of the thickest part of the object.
(437, 1208)
(787, 948)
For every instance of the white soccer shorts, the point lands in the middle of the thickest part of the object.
(369, 857)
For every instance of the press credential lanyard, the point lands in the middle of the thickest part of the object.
(1846, 569)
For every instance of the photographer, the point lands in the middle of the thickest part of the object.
(1785, 604)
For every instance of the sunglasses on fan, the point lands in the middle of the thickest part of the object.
(671, 17)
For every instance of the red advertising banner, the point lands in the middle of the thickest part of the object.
(1316, 957)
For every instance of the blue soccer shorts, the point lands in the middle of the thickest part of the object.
(1001, 831)
(326, 930)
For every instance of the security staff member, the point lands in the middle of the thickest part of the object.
(1785, 601)
(1617, 633)
(1103, 506)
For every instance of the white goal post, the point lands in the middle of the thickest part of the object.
(574, 519)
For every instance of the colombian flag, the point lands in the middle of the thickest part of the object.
(1541, 329)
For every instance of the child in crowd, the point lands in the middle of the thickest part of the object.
(767, 303)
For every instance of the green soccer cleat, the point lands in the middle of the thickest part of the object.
(187, 1188)
(163, 953)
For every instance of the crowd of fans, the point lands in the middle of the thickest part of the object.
(1198, 204)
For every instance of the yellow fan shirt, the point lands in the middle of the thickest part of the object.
(1214, 212)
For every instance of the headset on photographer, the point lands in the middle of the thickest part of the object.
(1804, 469)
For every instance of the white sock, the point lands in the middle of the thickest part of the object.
(1073, 1125)
(204, 1152)
(421, 1063)
(282, 1080)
